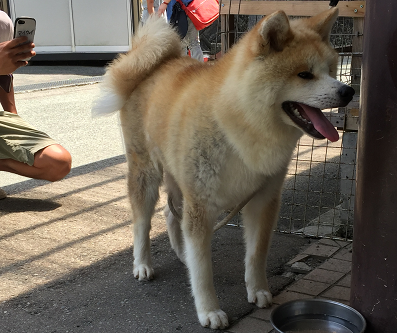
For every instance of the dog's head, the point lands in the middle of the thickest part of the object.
(300, 67)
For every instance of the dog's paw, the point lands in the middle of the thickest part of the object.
(262, 298)
(214, 319)
(143, 272)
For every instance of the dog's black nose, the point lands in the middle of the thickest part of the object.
(346, 93)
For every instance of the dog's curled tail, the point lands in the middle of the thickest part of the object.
(153, 43)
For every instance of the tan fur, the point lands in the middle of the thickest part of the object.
(219, 133)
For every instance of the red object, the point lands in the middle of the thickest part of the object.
(202, 12)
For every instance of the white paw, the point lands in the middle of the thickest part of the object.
(143, 272)
(214, 319)
(261, 298)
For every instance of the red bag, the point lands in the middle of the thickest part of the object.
(202, 12)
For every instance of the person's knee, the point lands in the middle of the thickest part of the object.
(55, 162)
(62, 167)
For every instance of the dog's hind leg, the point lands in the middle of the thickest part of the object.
(143, 188)
(143, 181)
(173, 216)
(175, 233)
(197, 230)
(260, 216)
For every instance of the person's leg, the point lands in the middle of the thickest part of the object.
(53, 162)
(28, 152)
(7, 100)
(193, 41)
(50, 163)
(145, 15)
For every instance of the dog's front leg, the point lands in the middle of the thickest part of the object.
(197, 232)
(260, 215)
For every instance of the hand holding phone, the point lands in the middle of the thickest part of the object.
(25, 26)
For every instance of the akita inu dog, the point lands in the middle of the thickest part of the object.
(220, 132)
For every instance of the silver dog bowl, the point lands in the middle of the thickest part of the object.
(316, 316)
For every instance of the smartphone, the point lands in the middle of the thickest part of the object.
(25, 26)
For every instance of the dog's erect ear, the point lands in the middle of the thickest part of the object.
(275, 31)
(322, 23)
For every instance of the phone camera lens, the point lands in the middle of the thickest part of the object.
(21, 22)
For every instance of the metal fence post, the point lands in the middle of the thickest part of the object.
(374, 269)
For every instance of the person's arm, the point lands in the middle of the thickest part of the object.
(150, 6)
(12, 54)
(163, 7)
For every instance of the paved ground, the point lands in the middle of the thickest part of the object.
(328, 277)
(66, 261)
(65, 248)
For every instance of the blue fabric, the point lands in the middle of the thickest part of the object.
(171, 4)
(169, 9)
(179, 20)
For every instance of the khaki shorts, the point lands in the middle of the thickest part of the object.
(19, 140)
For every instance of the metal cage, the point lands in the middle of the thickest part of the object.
(318, 195)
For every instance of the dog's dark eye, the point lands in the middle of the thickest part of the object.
(306, 75)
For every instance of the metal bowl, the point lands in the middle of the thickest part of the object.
(316, 316)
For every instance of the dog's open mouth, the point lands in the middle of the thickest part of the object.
(311, 120)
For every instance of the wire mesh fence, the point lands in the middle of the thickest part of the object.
(319, 190)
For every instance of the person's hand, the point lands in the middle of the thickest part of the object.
(150, 10)
(12, 54)
(162, 8)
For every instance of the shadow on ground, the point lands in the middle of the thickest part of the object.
(78, 171)
(106, 298)
(16, 205)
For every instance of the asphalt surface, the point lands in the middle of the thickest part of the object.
(66, 247)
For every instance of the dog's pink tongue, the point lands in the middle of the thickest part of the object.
(321, 123)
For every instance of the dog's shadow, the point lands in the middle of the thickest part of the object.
(18, 205)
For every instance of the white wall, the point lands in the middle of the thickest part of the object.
(78, 25)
